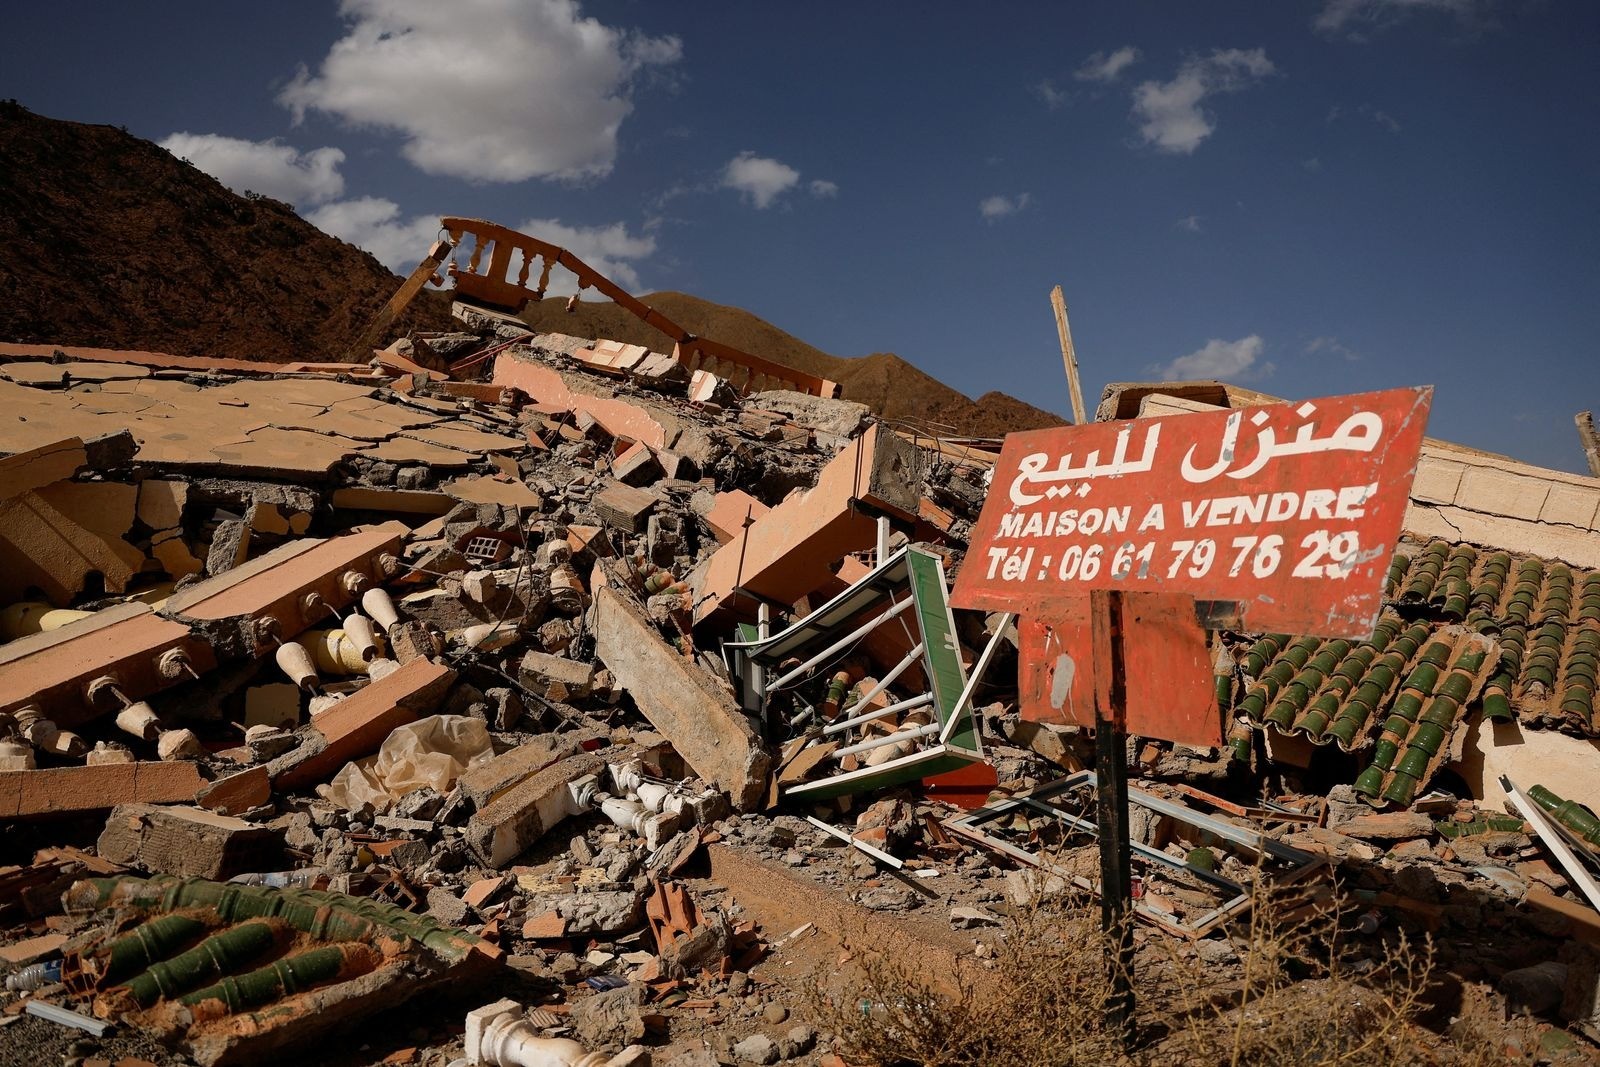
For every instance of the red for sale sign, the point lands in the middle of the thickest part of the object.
(1288, 512)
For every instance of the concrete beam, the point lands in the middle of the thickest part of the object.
(358, 724)
(503, 829)
(791, 550)
(66, 790)
(270, 596)
(141, 651)
(681, 701)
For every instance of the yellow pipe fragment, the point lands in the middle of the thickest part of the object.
(28, 617)
(333, 652)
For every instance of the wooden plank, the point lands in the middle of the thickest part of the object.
(361, 351)
(1069, 355)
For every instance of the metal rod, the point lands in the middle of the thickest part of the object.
(876, 853)
(868, 716)
(843, 642)
(888, 739)
(888, 679)
(1111, 807)
(763, 629)
(63, 1017)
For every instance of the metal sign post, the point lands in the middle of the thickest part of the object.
(1111, 805)
(1281, 517)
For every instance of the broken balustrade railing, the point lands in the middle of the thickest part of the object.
(936, 731)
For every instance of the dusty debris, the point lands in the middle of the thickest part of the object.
(636, 668)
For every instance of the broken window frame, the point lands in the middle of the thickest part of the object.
(955, 736)
(970, 826)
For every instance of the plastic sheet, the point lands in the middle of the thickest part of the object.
(429, 752)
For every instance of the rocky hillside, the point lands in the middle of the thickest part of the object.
(108, 240)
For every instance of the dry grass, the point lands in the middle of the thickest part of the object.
(1040, 1003)
(1295, 998)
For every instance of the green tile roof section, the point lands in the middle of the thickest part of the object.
(1517, 637)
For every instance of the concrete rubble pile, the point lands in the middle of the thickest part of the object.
(545, 682)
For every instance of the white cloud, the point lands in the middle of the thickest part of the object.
(400, 242)
(611, 250)
(1331, 346)
(1107, 66)
(487, 90)
(759, 178)
(1169, 113)
(998, 207)
(1190, 224)
(268, 167)
(1314, 164)
(1350, 16)
(1236, 360)
(1367, 111)
(823, 189)
(375, 224)
(1382, 118)
(1052, 96)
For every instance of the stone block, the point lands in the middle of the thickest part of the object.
(188, 842)
(1437, 480)
(38, 467)
(1500, 492)
(1574, 505)
(694, 712)
(556, 677)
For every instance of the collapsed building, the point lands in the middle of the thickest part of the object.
(498, 651)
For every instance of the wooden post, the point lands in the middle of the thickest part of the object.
(1591, 441)
(361, 351)
(1111, 803)
(1068, 356)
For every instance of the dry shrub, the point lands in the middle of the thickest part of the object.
(1040, 1002)
(1299, 999)
(1295, 998)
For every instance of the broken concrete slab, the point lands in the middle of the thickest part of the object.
(187, 842)
(502, 829)
(41, 466)
(548, 386)
(834, 421)
(161, 503)
(731, 512)
(43, 548)
(684, 703)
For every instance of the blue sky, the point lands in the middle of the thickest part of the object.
(1306, 198)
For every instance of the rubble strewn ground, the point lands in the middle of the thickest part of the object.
(340, 702)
